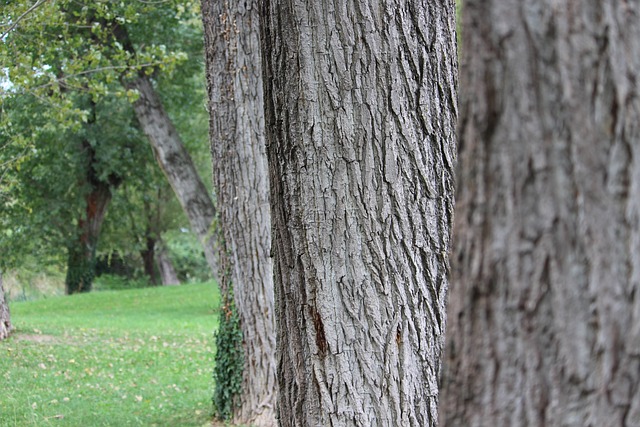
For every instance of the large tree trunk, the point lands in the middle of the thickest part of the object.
(177, 165)
(361, 111)
(5, 320)
(234, 77)
(544, 315)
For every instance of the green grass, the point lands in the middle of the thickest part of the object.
(139, 357)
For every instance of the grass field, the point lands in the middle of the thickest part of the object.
(139, 357)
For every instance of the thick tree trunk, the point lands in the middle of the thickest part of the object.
(5, 319)
(544, 315)
(361, 110)
(177, 165)
(168, 274)
(81, 262)
(234, 77)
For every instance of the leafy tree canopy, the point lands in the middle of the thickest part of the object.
(62, 65)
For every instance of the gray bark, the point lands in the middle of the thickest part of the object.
(234, 77)
(361, 110)
(168, 275)
(177, 165)
(5, 320)
(544, 315)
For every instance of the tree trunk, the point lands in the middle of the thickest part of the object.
(361, 111)
(234, 77)
(168, 274)
(5, 320)
(81, 262)
(148, 255)
(177, 165)
(544, 314)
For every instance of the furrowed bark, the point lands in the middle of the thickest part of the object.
(544, 316)
(361, 109)
(234, 80)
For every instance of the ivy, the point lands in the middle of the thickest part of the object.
(229, 360)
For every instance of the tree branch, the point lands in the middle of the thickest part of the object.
(21, 17)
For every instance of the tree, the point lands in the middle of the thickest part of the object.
(360, 118)
(5, 320)
(98, 192)
(97, 45)
(234, 78)
(543, 324)
(177, 165)
(58, 180)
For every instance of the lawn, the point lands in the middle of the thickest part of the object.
(140, 357)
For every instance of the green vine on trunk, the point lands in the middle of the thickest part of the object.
(229, 360)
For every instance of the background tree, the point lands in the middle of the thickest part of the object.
(543, 325)
(59, 178)
(85, 56)
(360, 118)
(234, 77)
(5, 319)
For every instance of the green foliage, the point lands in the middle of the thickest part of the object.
(229, 360)
(62, 83)
(126, 358)
(188, 258)
(80, 270)
(111, 282)
(34, 281)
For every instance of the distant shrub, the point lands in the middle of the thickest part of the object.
(187, 256)
(111, 282)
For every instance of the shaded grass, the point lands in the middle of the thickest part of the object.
(141, 357)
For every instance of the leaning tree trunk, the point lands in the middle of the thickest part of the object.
(544, 315)
(177, 165)
(5, 320)
(361, 110)
(234, 77)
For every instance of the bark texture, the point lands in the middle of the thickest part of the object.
(361, 109)
(544, 313)
(175, 162)
(5, 319)
(234, 80)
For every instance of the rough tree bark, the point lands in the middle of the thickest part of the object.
(234, 80)
(544, 315)
(177, 165)
(360, 117)
(5, 319)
